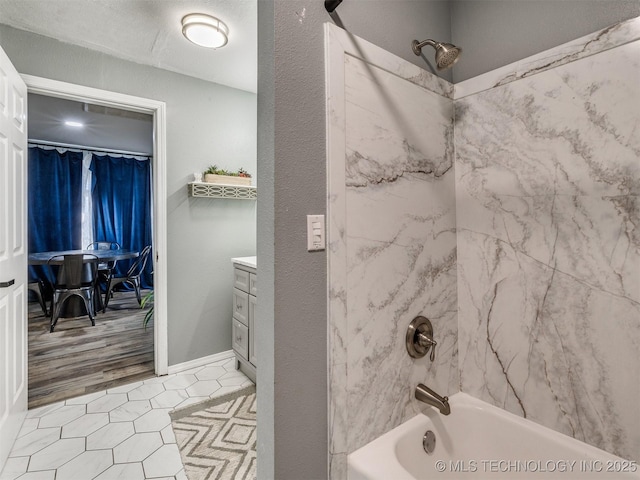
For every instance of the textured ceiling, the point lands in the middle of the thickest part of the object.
(148, 32)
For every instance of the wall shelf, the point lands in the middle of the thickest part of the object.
(215, 190)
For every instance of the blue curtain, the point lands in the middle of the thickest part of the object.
(121, 196)
(55, 203)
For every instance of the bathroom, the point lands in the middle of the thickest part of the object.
(297, 434)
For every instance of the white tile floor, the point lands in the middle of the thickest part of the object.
(121, 433)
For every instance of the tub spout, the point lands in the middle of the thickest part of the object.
(428, 396)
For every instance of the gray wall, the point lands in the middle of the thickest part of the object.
(393, 25)
(493, 33)
(264, 341)
(206, 123)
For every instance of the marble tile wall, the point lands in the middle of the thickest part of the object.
(548, 222)
(392, 242)
(401, 245)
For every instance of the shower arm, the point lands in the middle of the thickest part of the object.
(417, 46)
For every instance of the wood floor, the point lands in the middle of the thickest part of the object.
(77, 358)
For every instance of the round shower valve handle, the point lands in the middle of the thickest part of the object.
(419, 339)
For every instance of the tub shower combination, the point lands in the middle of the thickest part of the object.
(505, 209)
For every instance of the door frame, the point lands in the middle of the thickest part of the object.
(80, 93)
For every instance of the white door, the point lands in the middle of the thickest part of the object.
(13, 255)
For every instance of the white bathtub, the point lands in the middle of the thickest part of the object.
(479, 440)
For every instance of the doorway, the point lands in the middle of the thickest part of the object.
(107, 99)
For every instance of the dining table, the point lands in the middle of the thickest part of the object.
(75, 306)
(44, 258)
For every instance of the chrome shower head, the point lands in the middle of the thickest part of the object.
(446, 53)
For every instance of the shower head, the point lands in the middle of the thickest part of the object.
(446, 54)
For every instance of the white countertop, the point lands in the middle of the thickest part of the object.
(246, 261)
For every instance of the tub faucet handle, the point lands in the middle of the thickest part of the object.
(419, 338)
(426, 342)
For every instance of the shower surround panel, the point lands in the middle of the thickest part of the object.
(548, 219)
(392, 243)
(401, 245)
(545, 320)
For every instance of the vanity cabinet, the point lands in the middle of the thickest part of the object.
(243, 320)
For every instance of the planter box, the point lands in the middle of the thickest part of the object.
(226, 179)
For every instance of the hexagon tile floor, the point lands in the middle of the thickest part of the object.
(120, 433)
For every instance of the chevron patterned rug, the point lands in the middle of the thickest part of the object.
(217, 438)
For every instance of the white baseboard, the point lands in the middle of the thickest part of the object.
(198, 362)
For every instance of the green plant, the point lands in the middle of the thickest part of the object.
(214, 170)
(147, 299)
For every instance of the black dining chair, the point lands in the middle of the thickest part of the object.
(132, 277)
(76, 276)
(105, 269)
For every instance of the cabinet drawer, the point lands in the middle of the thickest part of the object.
(241, 306)
(253, 290)
(240, 339)
(241, 279)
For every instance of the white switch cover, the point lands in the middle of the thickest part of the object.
(315, 232)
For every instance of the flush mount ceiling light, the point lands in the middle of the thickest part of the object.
(70, 123)
(205, 30)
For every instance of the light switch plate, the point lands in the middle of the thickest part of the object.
(315, 233)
